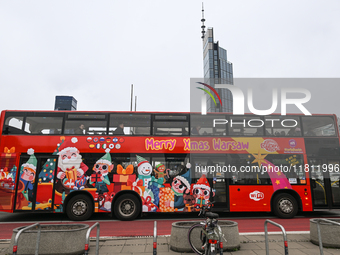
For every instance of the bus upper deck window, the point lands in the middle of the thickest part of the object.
(12, 125)
(318, 126)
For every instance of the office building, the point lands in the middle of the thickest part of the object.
(217, 70)
(65, 103)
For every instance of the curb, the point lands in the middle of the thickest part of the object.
(104, 238)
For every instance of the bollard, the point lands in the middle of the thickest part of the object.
(319, 231)
(283, 232)
(16, 240)
(88, 238)
(155, 238)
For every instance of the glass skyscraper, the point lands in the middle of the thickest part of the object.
(217, 70)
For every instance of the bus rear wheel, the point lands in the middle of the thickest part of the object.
(79, 207)
(285, 206)
(126, 207)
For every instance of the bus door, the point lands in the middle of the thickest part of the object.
(211, 168)
(220, 190)
(325, 182)
(35, 183)
(334, 182)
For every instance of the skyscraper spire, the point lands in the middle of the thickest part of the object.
(202, 20)
(219, 71)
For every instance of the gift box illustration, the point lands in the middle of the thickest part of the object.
(136, 186)
(7, 159)
(122, 178)
(123, 175)
(166, 200)
(148, 206)
(156, 182)
(69, 183)
(71, 174)
(96, 177)
(201, 201)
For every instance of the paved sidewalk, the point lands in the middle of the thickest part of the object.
(298, 244)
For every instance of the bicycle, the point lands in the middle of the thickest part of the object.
(209, 231)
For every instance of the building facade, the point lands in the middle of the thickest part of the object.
(217, 70)
(65, 103)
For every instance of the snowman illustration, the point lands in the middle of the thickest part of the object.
(144, 170)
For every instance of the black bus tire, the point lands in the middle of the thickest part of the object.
(126, 207)
(79, 207)
(285, 206)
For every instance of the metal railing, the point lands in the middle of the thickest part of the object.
(319, 232)
(88, 238)
(155, 238)
(16, 239)
(283, 232)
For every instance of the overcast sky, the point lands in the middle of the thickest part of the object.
(95, 50)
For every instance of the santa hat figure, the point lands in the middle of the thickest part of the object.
(68, 146)
(141, 160)
(202, 183)
(144, 170)
(32, 161)
(106, 159)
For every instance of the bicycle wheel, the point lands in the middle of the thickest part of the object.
(196, 238)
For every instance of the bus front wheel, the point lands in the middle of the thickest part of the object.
(285, 206)
(79, 207)
(126, 207)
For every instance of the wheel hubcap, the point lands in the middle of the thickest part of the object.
(127, 207)
(79, 208)
(286, 206)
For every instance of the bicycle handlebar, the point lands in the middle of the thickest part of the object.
(205, 208)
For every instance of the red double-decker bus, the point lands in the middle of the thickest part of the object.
(80, 163)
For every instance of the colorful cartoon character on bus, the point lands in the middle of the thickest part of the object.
(26, 180)
(70, 165)
(180, 186)
(189, 202)
(101, 169)
(161, 172)
(201, 191)
(144, 170)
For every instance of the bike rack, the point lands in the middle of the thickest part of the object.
(88, 238)
(319, 232)
(155, 238)
(16, 239)
(283, 232)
